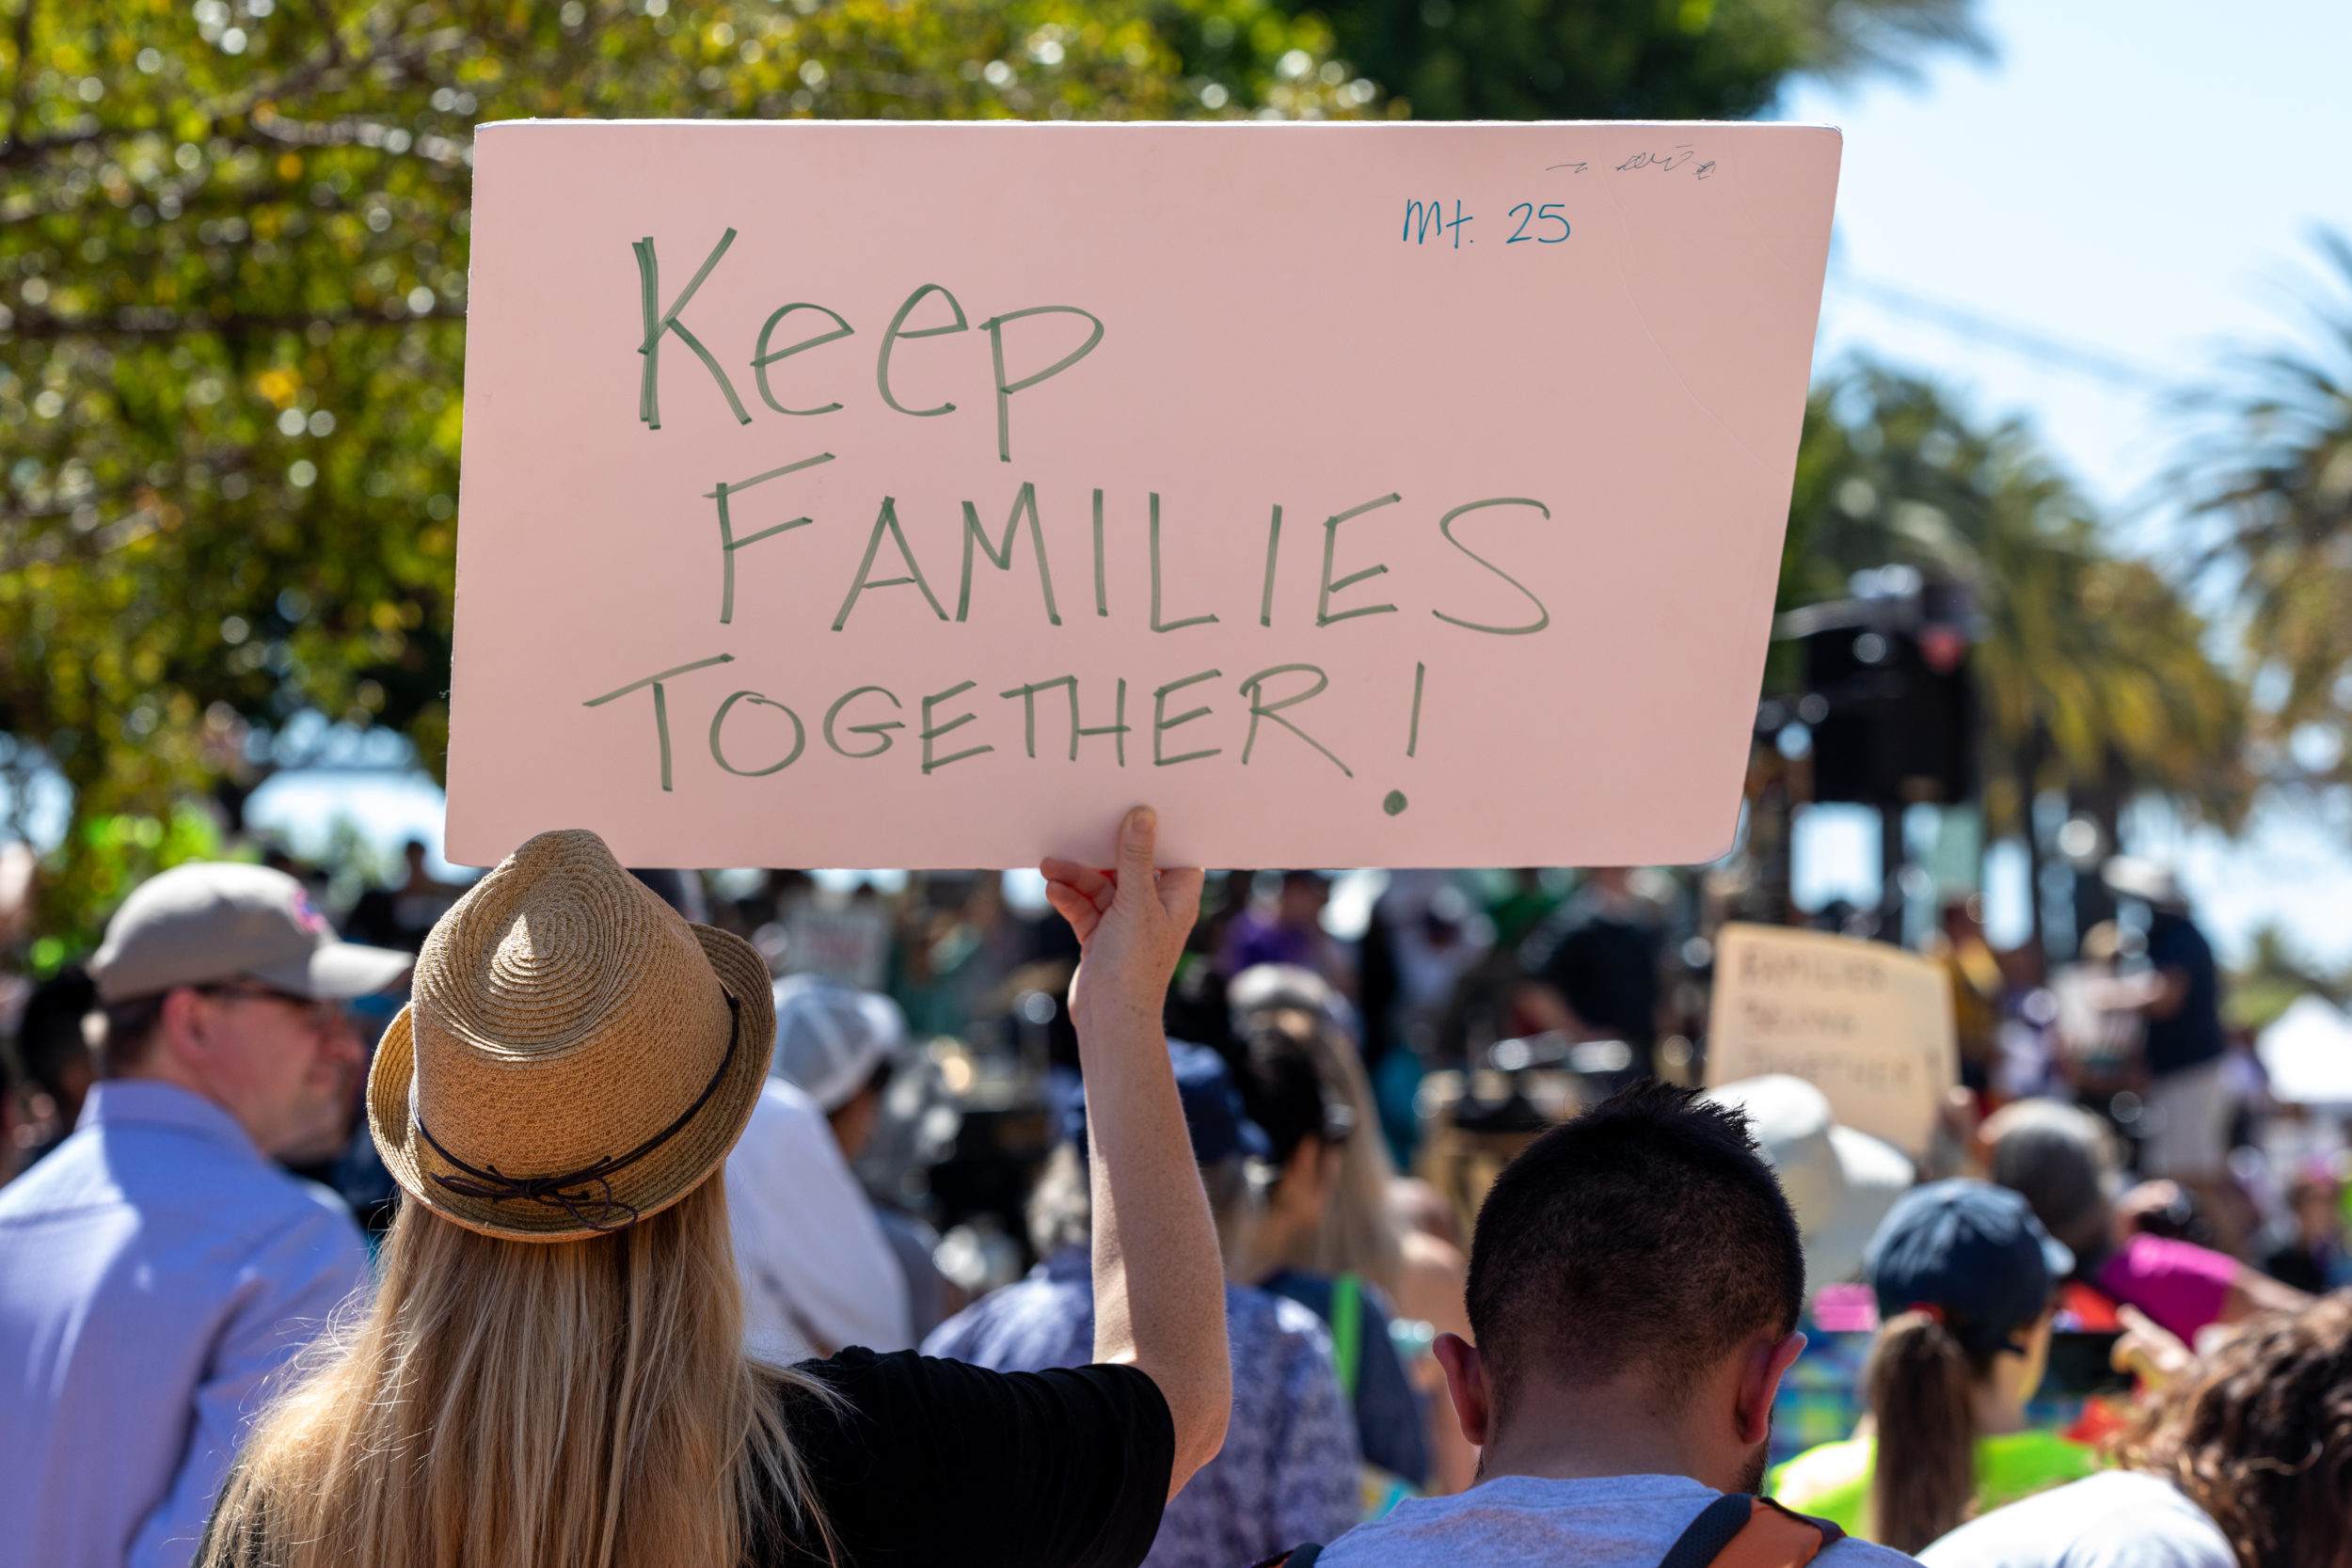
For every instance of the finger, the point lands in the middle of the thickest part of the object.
(1137, 836)
(1180, 894)
(1074, 907)
(1085, 879)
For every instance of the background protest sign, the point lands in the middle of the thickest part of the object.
(925, 495)
(1868, 1024)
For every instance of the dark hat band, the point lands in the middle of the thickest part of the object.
(585, 1194)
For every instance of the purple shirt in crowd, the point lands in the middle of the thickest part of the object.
(155, 1269)
(2179, 1285)
(1288, 1473)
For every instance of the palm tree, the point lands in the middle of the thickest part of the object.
(2092, 671)
(2274, 475)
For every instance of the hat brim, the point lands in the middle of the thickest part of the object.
(699, 1150)
(1872, 1174)
(339, 971)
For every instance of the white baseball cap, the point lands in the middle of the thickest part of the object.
(1839, 1181)
(212, 921)
(830, 1038)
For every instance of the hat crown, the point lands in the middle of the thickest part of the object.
(830, 1037)
(1789, 1119)
(552, 949)
(1970, 1247)
(204, 921)
(562, 1012)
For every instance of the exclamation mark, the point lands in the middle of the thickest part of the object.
(1395, 801)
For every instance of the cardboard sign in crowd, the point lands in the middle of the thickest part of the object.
(925, 495)
(1868, 1024)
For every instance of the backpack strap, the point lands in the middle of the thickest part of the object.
(1737, 1530)
(1711, 1532)
(1348, 1335)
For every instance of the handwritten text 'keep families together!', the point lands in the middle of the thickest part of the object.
(1193, 716)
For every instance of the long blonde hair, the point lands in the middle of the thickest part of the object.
(516, 1404)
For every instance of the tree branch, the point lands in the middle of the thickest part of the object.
(353, 130)
(17, 151)
(21, 94)
(158, 322)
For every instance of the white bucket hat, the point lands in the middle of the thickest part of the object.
(1839, 1181)
(830, 1038)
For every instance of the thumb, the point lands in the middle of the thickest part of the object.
(1137, 836)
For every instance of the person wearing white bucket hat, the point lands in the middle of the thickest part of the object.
(836, 1044)
(1839, 1181)
(818, 1271)
(553, 1373)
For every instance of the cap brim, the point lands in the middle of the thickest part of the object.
(2058, 1257)
(700, 1149)
(1872, 1174)
(339, 971)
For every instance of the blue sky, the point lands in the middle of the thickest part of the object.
(2128, 186)
(2131, 189)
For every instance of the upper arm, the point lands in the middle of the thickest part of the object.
(293, 1286)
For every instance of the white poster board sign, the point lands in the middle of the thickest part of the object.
(1868, 1024)
(927, 495)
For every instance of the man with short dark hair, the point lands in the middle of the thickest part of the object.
(157, 1268)
(1634, 1285)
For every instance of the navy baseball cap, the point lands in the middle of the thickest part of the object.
(1220, 1128)
(1972, 1254)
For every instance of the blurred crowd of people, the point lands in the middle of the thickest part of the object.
(2116, 1234)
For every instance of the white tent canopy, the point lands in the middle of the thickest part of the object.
(2308, 1054)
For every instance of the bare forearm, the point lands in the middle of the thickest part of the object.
(1159, 1286)
(2252, 1291)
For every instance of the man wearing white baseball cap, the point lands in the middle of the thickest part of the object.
(159, 1266)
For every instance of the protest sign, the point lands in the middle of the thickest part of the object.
(926, 495)
(1868, 1024)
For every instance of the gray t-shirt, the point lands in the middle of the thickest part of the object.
(2115, 1519)
(1526, 1522)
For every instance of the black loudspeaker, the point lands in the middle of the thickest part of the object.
(1900, 722)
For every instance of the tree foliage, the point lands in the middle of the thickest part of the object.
(2275, 476)
(1627, 60)
(233, 292)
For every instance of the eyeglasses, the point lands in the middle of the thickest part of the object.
(322, 1016)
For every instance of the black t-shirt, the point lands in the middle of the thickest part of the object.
(931, 1464)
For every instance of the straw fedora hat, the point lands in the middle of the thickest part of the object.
(576, 1057)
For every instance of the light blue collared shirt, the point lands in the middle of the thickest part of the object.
(154, 1271)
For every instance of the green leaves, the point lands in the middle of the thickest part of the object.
(1626, 59)
(232, 290)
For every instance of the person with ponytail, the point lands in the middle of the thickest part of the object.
(1966, 1281)
(553, 1372)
